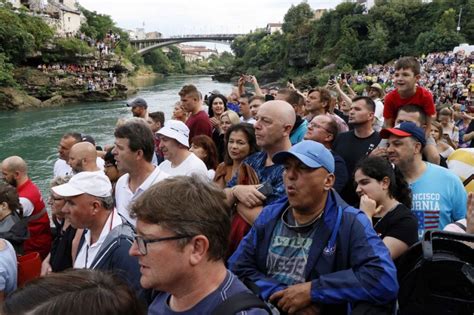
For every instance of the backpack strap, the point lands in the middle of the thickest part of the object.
(239, 302)
(459, 224)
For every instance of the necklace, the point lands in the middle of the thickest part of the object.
(391, 209)
(296, 225)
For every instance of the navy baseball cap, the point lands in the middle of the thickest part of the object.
(311, 153)
(405, 129)
(138, 102)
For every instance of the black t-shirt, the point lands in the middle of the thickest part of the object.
(61, 258)
(352, 149)
(400, 223)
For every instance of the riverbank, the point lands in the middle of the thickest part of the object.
(50, 85)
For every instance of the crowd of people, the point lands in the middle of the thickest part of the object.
(265, 201)
(92, 77)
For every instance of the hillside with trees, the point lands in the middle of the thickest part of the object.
(349, 38)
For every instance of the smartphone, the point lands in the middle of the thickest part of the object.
(265, 188)
(343, 76)
(290, 81)
(332, 78)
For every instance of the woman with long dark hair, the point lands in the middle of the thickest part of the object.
(205, 149)
(386, 200)
(240, 143)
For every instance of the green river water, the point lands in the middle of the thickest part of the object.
(35, 134)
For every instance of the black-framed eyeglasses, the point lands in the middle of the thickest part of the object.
(142, 242)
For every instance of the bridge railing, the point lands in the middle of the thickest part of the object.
(201, 36)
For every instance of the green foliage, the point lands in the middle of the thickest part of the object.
(6, 72)
(176, 59)
(349, 36)
(97, 25)
(67, 50)
(21, 34)
(297, 17)
(158, 61)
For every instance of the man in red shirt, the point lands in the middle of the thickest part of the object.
(198, 121)
(15, 173)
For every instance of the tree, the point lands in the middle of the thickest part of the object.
(21, 34)
(158, 61)
(297, 17)
(97, 25)
(6, 72)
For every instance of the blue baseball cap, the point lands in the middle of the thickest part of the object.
(311, 153)
(405, 129)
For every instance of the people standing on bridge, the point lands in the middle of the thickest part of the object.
(139, 108)
(198, 122)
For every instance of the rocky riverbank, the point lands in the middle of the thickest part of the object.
(38, 89)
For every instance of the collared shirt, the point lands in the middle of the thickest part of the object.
(124, 196)
(251, 120)
(88, 251)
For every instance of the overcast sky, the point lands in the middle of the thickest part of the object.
(177, 17)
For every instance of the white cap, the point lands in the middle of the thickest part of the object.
(92, 183)
(177, 130)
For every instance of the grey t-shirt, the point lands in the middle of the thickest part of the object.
(8, 267)
(289, 249)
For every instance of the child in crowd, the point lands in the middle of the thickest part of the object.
(407, 74)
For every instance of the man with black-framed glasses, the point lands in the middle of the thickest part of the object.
(324, 129)
(182, 238)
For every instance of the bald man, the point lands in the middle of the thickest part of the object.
(15, 172)
(274, 121)
(83, 157)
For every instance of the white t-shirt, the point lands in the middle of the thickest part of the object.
(191, 165)
(124, 196)
(378, 121)
(251, 120)
(61, 168)
(87, 253)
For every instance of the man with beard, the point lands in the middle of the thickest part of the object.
(139, 108)
(83, 157)
(15, 173)
(357, 143)
(439, 197)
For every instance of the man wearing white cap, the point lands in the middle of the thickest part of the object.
(174, 143)
(108, 236)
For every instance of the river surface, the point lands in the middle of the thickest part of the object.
(34, 134)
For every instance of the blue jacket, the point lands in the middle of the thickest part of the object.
(113, 255)
(347, 261)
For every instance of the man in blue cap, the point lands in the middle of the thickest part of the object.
(439, 197)
(139, 108)
(311, 251)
